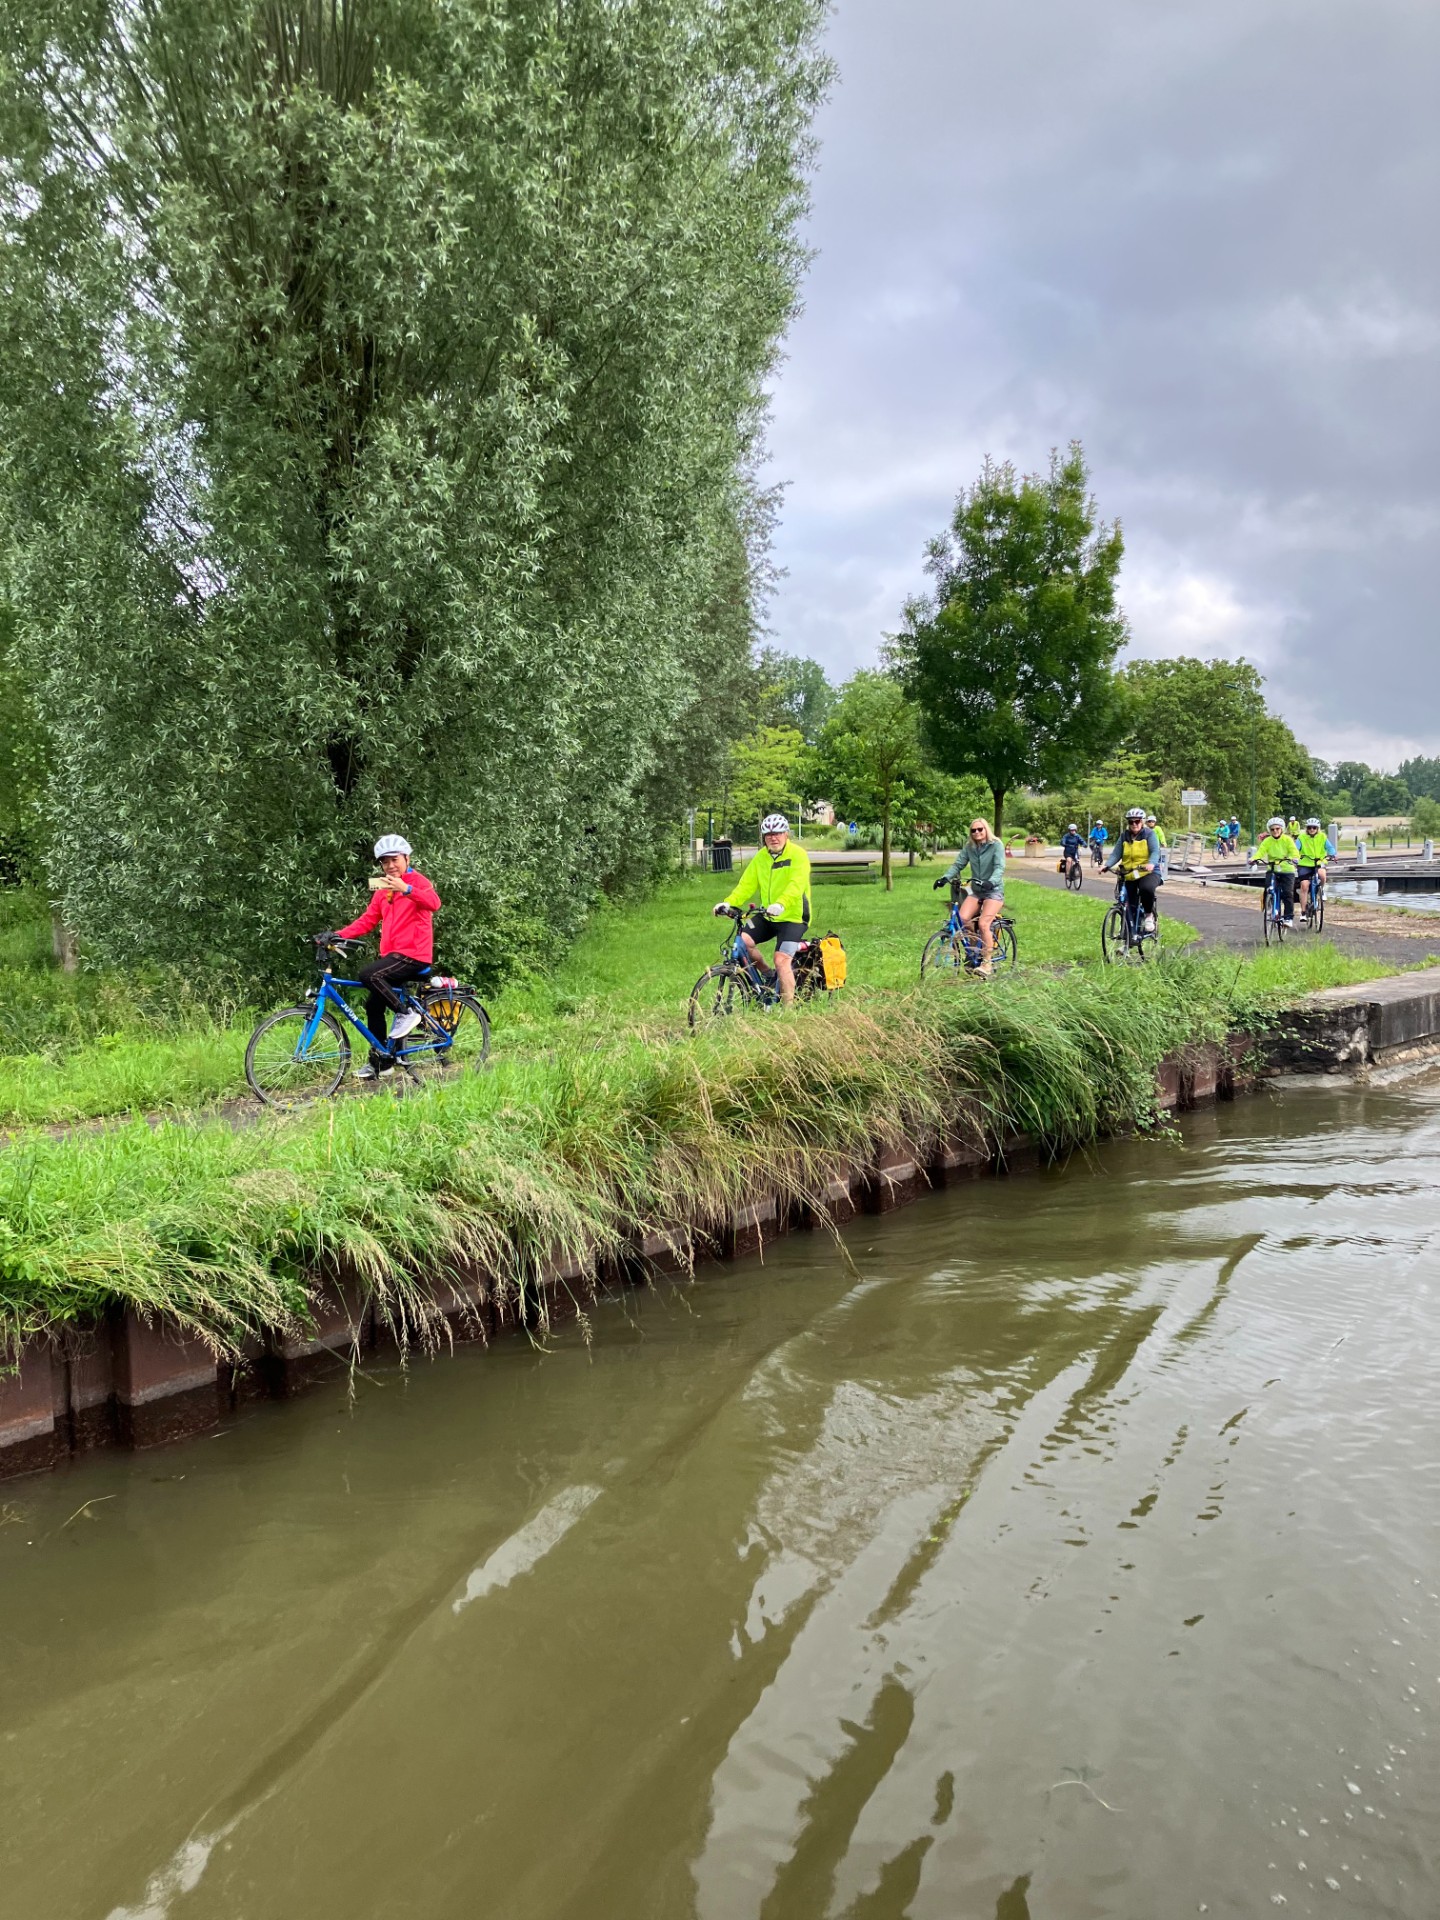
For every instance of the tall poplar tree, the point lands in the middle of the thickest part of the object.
(381, 383)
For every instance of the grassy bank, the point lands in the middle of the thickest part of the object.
(81, 1046)
(573, 1147)
(77, 1047)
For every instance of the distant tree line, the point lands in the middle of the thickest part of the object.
(1002, 693)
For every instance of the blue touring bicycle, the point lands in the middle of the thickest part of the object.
(303, 1053)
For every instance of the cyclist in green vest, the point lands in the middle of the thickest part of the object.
(1315, 850)
(1163, 865)
(1278, 850)
(777, 883)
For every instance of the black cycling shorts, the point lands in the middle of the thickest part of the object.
(789, 934)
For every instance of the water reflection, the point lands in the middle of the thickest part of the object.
(1071, 1552)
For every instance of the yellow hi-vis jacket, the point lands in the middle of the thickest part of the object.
(777, 880)
(1132, 855)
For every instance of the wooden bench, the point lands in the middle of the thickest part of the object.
(862, 872)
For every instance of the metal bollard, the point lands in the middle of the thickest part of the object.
(1360, 853)
(1427, 852)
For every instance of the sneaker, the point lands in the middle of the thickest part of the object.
(1149, 923)
(371, 1072)
(1289, 923)
(985, 971)
(406, 1023)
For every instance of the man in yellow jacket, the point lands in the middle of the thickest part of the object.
(777, 882)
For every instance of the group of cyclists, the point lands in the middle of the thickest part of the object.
(775, 890)
(1296, 857)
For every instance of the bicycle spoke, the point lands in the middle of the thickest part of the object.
(284, 1070)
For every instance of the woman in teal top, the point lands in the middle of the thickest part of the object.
(984, 855)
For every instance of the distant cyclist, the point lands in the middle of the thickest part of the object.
(1070, 845)
(777, 881)
(403, 904)
(1164, 845)
(1099, 835)
(1279, 851)
(1137, 855)
(984, 855)
(1315, 849)
(1234, 834)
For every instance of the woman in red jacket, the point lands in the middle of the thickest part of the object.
(402, 904)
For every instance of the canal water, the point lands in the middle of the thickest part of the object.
(1061, 1547)
(1373, 893)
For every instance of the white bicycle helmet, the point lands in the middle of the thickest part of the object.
(1136, 813)
(1276, 820)
(774, 823)
(391, 843)
(1312, 825)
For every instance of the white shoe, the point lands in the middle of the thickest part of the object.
(406, 1023)
(1149, 923)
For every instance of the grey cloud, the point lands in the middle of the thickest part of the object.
(1201, 238)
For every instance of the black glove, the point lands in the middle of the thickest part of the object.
(941, 882)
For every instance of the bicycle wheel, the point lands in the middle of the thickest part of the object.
(1143, 940)
(1004, 945)
(942, 954)
(467, 1023)
(1114, 942)
(281, 1072)
(1074, 878)
(1317, 912)
(721, 991)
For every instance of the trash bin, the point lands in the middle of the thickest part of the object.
(722, 851)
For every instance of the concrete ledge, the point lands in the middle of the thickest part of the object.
(898, 1175)
(29, 1437)
(1344, 1028)
(167, 1383)
(343, 1323)
(750, 1228)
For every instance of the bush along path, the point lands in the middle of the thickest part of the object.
(150, 1279)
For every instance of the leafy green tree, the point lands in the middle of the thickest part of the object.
(794, 692)
(379, 452)
(1425, 820)
(763, 772)
(1422, 776)
(1204, 723)
(1124, 779)
(868, 761)
(1011, 657)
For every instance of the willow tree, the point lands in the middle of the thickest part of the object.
(381, 387)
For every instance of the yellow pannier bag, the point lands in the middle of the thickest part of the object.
(832, 959)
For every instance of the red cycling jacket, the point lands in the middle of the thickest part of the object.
(405, 919)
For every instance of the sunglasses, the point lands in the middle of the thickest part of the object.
(975, 830)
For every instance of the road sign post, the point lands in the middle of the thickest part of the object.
(1191, 797)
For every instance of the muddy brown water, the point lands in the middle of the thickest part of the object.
(1072, 1553)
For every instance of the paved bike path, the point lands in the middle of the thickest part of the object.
(1229, 917)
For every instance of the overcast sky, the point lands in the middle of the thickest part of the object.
(1201, 238)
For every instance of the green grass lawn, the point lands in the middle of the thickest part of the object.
(93, 1044)
(636, 966)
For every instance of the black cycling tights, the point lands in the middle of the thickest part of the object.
(1142, 890)
(382, 976)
